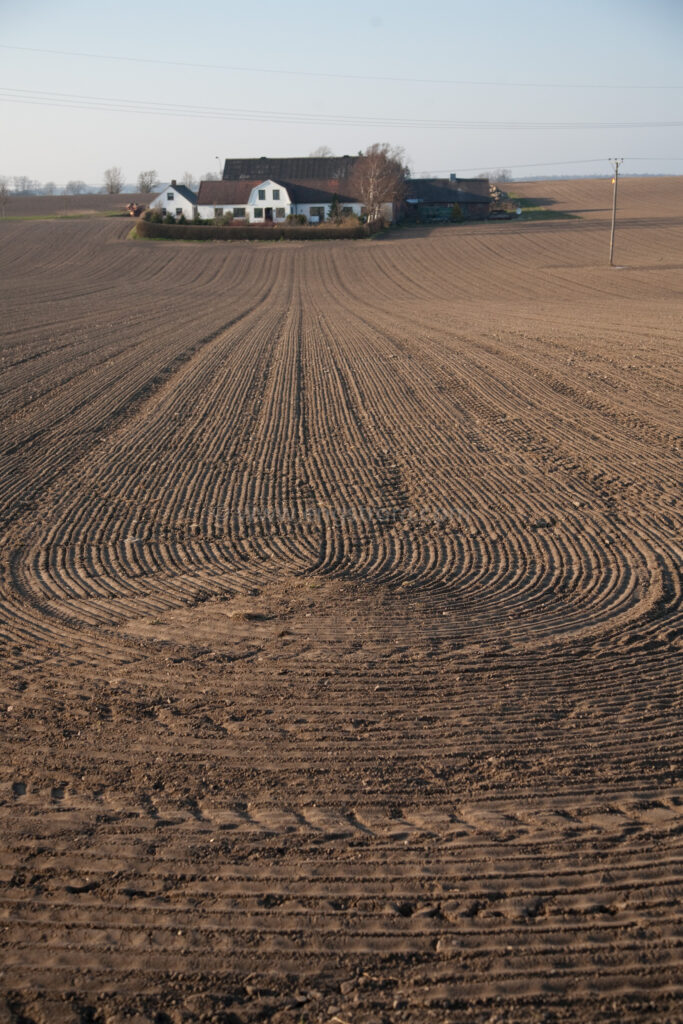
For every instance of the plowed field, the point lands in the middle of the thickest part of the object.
(340, 609)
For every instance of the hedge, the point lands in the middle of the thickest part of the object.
(206, 232)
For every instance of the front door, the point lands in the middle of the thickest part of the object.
(269, 212)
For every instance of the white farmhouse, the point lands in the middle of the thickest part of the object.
(268, 201)
(176, 199)
(267, 190)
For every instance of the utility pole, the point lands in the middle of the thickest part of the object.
(616, 163)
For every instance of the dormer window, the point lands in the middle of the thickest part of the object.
(276, 193)
(262, 193)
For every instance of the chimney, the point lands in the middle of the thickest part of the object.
(173, 181)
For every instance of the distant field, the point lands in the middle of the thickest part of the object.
(55, 206)
(657, 198)
(340, 612)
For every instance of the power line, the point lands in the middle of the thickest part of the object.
(119, 105)
(513, 167)
(330, 74)
(548, 163)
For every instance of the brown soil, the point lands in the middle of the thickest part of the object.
(71, 206)
(650, 197)
(340, 617)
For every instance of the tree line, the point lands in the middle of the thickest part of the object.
(113, 183)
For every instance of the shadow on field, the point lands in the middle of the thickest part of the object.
(529, 201)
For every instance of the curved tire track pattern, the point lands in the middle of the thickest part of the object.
(340, 611)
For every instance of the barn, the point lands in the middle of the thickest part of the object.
(434, 199)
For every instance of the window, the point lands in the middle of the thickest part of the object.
(318, 211)
(280, 212)
(238, 211)
(178, 211)
(170, 197)
(262, 193)
(218, 211)
(258, 212)
(163, 210)
(276, 193)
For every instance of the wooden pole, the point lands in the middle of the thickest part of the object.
(615, 182)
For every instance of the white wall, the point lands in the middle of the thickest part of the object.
(209, 212)
(305, 208)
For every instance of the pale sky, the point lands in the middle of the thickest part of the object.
(462, 87)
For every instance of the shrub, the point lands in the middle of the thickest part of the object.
(182, 219)
(336, 214)
(296, 218)
(456, 213)
(226, 219)
(169, 219)
(254, 232)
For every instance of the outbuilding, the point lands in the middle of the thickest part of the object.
(439, 199)
(177, 200)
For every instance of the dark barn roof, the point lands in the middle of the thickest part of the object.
(479, 186)
(440, 190)
(289, 168)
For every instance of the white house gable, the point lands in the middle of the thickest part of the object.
(269, 201)
(176, 200)
(269, 193)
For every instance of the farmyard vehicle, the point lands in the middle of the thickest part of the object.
(499, 215)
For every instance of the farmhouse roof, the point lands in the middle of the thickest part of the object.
(440, 190)
(289, 168)
(226, 193)
(230, 193)
(319, 190)
(184, 191)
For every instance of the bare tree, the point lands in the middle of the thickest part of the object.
(210, 176)
(113, 180)
(49, 188)
(147, 181)
(25, 186)
(502, 175)
(5, 193)
(189, 181)
(75, 188)
(378, 177)
(322, 151)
